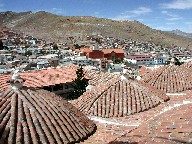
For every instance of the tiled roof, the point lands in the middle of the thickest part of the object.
(116, 98)
(170, 79)
(143, 71)
(38, 116)
(107, 51)
(114, 130)
(96, 77)
(44, 77)
(187, 65)
(173, 126)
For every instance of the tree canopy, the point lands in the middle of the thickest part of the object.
(1, 45)
(80, 83)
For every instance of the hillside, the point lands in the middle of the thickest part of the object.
(53, 27)
(179, 32)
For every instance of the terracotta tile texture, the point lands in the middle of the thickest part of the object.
(173, 126)
(117, 98)
(97, 77)
(44, 77)
(187, 65)
(170, 79)
(53, 76)
(111, 133)
(38, 116)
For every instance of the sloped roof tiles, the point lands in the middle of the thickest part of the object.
(170, 79)
(173, 126)
(44, 77)
(116, 98)
(38, 116)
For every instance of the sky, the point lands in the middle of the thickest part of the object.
(163, 15)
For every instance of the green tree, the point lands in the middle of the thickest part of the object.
(118, 60)
(42, 51)
(28, 53)
(80, 83)
(1, 45)
(177, 62)
(77, 46)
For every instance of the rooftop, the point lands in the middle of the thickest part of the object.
(160, 124)
(44, 77)
(38, 116)
(117, 98)
(169, 78)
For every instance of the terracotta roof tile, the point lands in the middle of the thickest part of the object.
(106, 51)
(173, 126)
(170, 79)
(44, 77)
(40, 117)
(116, 98)
(96, 77)
(187, 65)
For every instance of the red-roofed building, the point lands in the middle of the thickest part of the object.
(112, 54)
(95, 54)
(58, 80)
(38, 116)
(109, 54)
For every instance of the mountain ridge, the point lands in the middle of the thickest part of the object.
(56, 27)
(181, 33)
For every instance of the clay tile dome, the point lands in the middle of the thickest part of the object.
(170, 79)
(38, 116)
(119, 98)
(187, 65)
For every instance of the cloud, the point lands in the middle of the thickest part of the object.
(172, 17)
(134, 13)
(177, 4)
(141, 11)
(188, 23)
(170, 23)
(57, 11)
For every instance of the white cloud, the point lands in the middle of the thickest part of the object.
(134, 13)
(178, 4)
(169, 23)
(188, 23)
(141, 11)
(172, 16)
(57, 11)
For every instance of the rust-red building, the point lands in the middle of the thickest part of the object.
(109, 54)
(112, 54)
(95, 54)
